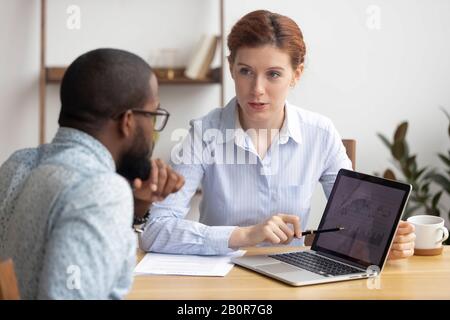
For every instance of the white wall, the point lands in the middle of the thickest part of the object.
(365, 80)
(19, 73)
(368, 80)
(143, 27)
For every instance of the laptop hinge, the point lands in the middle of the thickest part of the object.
(350, 263)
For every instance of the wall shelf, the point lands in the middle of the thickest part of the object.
(55, 75)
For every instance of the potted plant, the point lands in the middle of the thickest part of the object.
(419, 177)
(422, 199)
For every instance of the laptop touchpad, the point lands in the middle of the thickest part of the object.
(278, 268)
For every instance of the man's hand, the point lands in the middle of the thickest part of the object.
(403, 244)
(162, 182)
(274, 230)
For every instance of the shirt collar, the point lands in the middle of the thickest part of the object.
(230, 120)
(239, 135)
(66, 135)
(291, 125)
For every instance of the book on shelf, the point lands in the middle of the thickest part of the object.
(202, 57)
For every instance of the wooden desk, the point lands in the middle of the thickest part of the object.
(413, 278)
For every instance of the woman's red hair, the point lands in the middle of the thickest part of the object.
(262, 27)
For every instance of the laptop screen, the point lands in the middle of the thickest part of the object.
(369, 209)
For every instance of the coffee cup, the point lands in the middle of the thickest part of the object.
(430, 233)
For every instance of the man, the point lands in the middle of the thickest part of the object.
(65, 214)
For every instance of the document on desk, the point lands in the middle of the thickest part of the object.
(187, 265)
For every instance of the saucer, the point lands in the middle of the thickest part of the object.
(428, 252)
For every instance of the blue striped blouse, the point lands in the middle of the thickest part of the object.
(239, 188)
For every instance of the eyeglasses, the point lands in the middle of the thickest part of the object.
(159, 117)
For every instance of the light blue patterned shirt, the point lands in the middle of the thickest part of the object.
(239, 188)
(65, 220)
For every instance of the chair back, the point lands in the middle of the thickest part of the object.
(350, 148)
(9, 289)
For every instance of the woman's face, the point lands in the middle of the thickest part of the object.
(262, 78)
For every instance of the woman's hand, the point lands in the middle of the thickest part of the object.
(403, 244)
(274, 230)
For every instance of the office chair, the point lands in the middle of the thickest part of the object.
(350, 148)
(9, 289)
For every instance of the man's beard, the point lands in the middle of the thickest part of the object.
(136, 162)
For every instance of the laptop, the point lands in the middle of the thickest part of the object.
(368, 209)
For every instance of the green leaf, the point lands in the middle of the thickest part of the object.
(446, 113)
(415, 188)
(407, 172)
(385, 140)
(414, 164)
(389, 174)
(425, 187)
(444, 182)
(448, 117)
(419, 173)
(444, 159)
(430, 174)
(398, 150)
(435, 200)
(411, 160)
(433, 212)
(400, 133)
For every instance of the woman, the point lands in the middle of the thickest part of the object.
(258, 159)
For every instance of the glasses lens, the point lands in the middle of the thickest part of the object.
(161, 120)
(158, 122)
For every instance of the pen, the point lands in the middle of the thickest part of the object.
(321, 231)
(138, 230)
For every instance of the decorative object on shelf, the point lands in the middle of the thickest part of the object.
(202, 57)
(180, 78)
(215, 74)
(165, 60)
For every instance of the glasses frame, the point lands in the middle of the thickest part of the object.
(159, 112)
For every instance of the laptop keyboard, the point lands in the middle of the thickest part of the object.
(315, 263)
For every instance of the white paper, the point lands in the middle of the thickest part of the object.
(188, 265)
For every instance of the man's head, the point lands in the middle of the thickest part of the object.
(103, 93)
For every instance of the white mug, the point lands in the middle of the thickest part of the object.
(430, 233)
